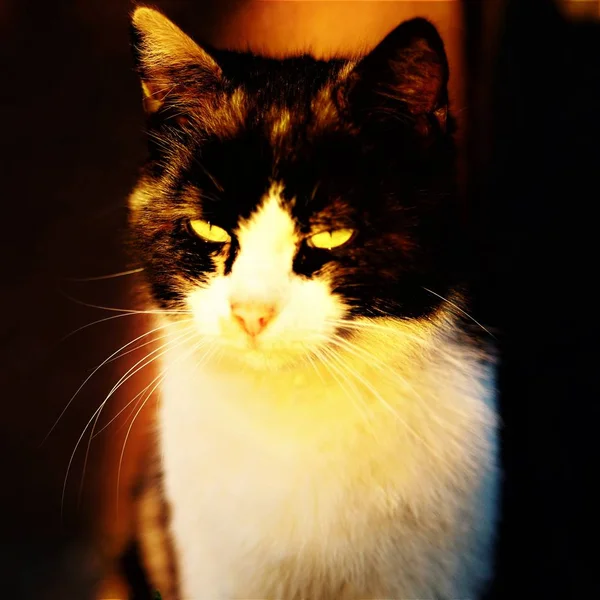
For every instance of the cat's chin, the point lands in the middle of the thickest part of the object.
(257, 358)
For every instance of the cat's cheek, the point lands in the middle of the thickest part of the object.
(314, 310)
(210, 307)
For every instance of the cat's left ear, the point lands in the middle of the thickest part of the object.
(167, 59)
(406, 74)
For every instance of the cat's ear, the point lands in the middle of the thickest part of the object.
(168, 59)
(406, 74)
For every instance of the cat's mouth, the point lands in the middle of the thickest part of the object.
(264, 346)
(266, 350)
(262, 356)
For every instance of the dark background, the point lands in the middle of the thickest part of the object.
(70, 143)
(534, 157)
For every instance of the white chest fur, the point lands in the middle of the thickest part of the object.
(363, 479)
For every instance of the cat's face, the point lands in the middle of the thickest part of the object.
(285, 200)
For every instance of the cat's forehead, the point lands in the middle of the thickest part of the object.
(279, 209)
(314, 115)
(284, 123)
(301, 149)
(272, 201)
(271, 223)
(286, 99)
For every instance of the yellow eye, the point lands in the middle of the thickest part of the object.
(331, 239)
(209, 232)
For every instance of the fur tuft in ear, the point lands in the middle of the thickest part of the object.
(166, 58)
(406, 74)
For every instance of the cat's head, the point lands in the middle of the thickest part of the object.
(285, 200)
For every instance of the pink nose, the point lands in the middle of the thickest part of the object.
(252, 317)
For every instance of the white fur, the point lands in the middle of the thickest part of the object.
(367, 475)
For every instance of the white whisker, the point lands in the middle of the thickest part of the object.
(128, 375)
(120, 316)
(193, 349)
(156, 381)
(104, 362)
(315, 365)
(124, 310)
(366, 324)
(136, 397)
(103, 277)
(385, 369)
(136, 348)
(387, 406)
(355, 393)
(160, 376)
(335, 356)
(458, 308)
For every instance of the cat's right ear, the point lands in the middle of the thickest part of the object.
(168, 61)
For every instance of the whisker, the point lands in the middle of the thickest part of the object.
(364, 324)
(212, 350)
(156, 381)
(136, 397)
(193, 349)
(386, 405)
(333, 369)
(121, 381)
(460, 310)
(94, 418)
(161, 375)
(314, 365)
(370, 387)
(123, 310)
(214, 181)
(105, 361)
(136, 348)
(132, 370)
(386, 370)
(103, 277)
(61, 340)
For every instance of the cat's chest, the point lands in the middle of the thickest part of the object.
(269, 443)
(303, 444)
(263, 471)
(259, 479)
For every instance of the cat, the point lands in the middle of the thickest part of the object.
(327, 425)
